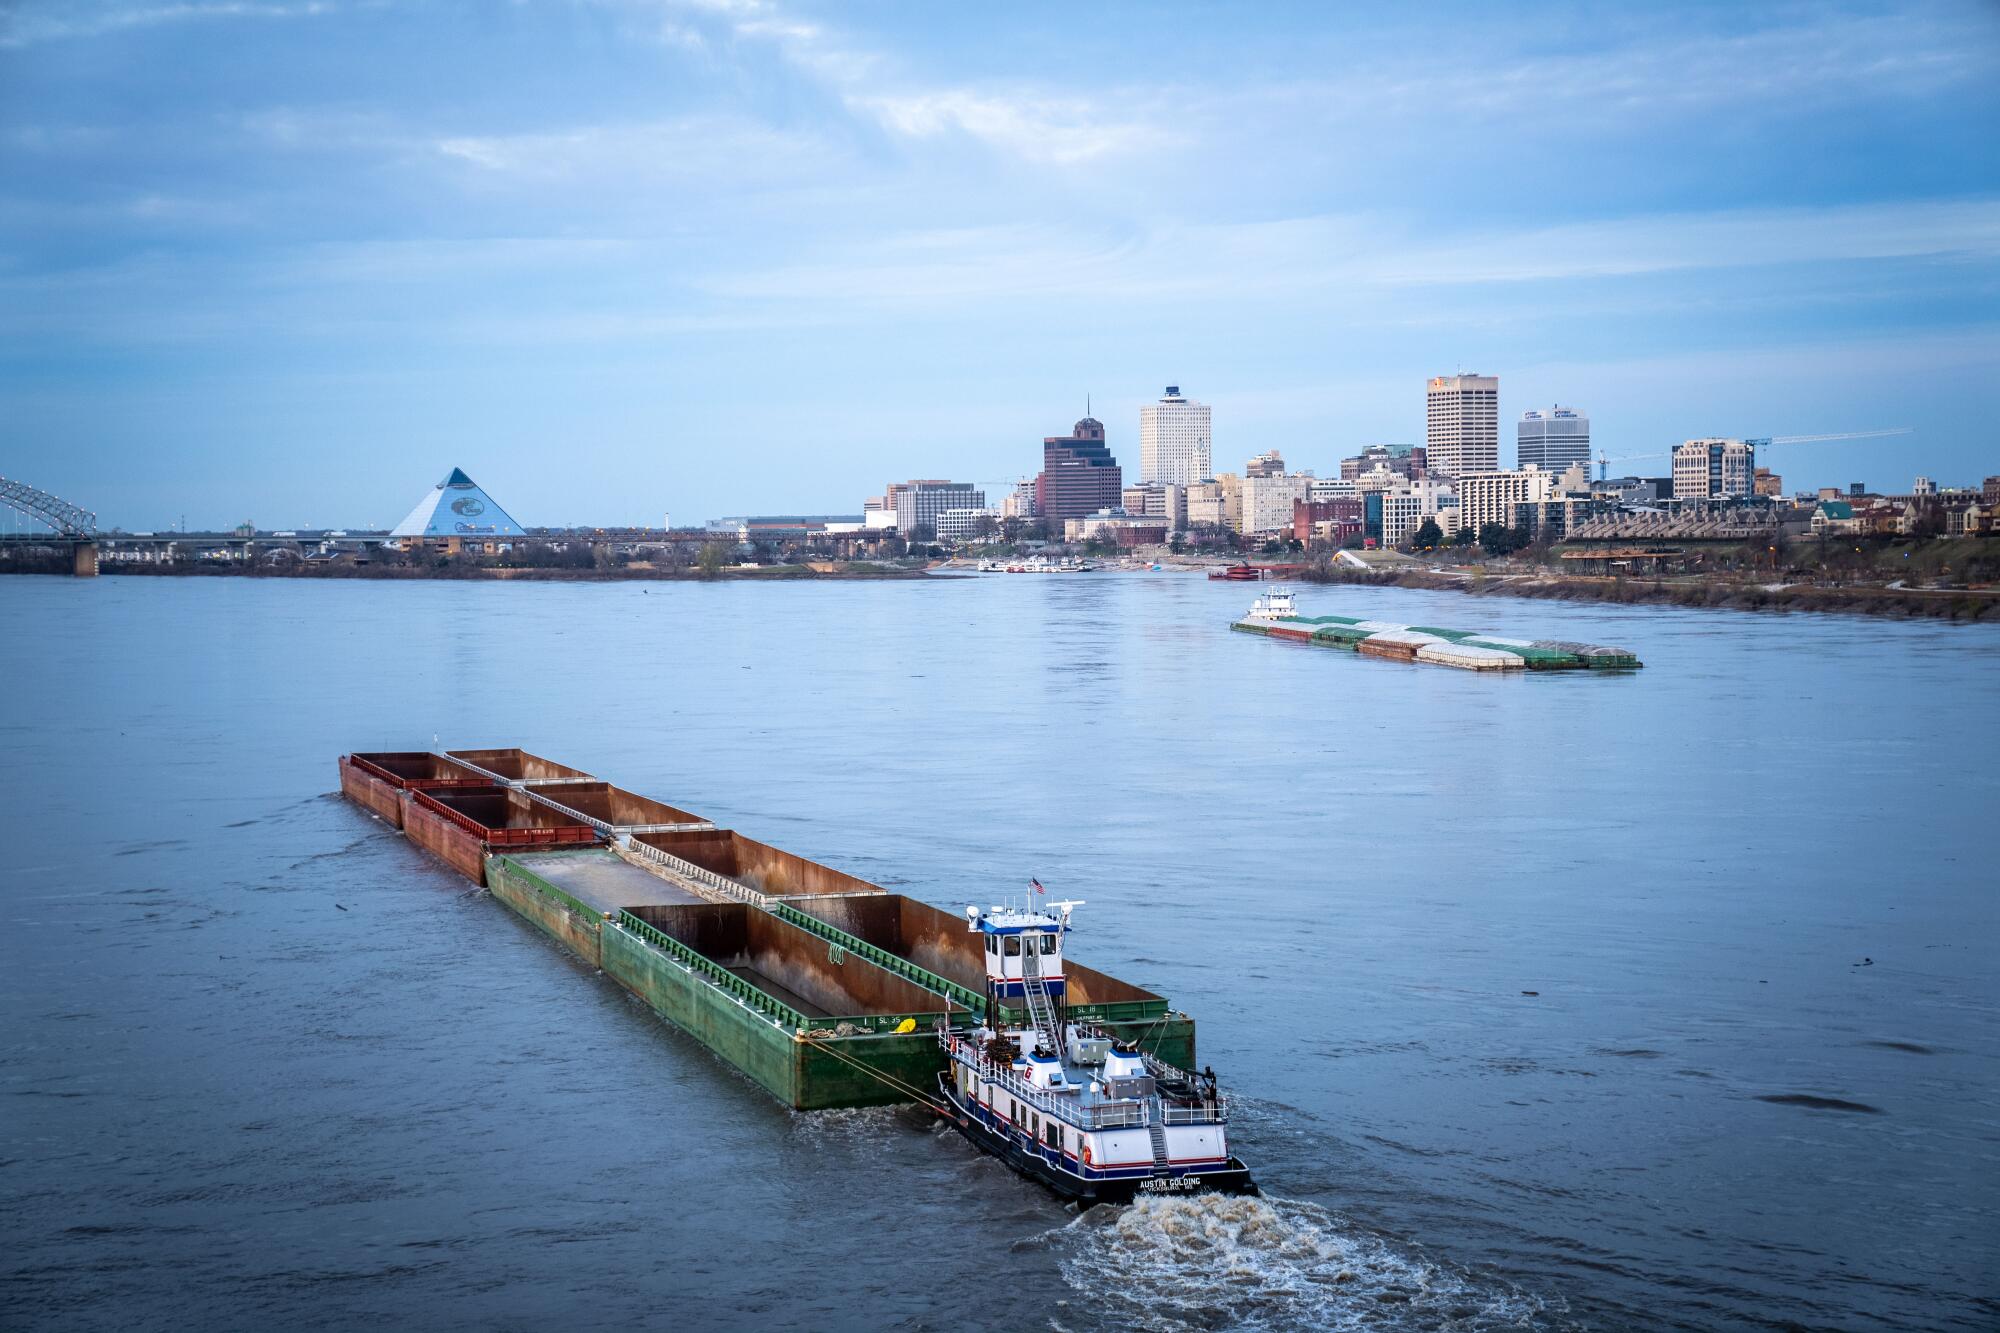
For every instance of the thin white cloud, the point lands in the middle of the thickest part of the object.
(1280, 259)
(1021, 121)
(1063, 131)
(1665, 243)
(709, 148)
(1653, 71)
(26, 27)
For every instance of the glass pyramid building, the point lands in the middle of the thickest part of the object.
(456, 507)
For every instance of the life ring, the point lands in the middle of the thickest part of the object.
(1086, 1152)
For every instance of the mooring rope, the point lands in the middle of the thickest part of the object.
(888, 1080)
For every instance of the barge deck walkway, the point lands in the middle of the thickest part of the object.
(602, 880)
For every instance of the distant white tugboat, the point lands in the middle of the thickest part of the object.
(1066, 1103)
(1277, 604)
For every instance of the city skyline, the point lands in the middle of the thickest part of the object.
(278, 262)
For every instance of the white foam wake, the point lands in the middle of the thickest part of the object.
(1220, 1262)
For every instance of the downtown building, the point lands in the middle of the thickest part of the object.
(1552, 440)
(1079, 476)
(1336, 521)
(1021, 502)
(1402, 460)
(1714, 470)
(1497, 497)
(1174, 440)
(1157, 499)
(921, 503)
(1269, 494)
(1404, 511)
(956, 526)
(1216, 502)
(1462, 424)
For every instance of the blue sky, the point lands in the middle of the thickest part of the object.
(293, 261)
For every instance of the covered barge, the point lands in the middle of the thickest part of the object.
(825, 989)
(1276, 615)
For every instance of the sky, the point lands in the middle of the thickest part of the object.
(293, 260)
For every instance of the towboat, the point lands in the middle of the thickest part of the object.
(1067, 1104)
(1277, 604)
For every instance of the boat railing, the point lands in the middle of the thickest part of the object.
(1155, 1066)
(754, 997)
(1063, 1106)
(1163, 1071)
(690, 871)
(1214, 1112)
(540, 796)
(962, 996)
(769, 1007)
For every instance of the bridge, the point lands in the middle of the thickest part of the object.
(71, 527)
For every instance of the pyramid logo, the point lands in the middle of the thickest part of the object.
(456, 507)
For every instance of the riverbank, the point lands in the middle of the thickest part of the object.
(1957, 604)
(460, 572)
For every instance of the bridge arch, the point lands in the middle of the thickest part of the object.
(66, 519)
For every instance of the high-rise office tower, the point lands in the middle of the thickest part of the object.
(1079, 475)
(1552, 440)
(1174, 440)
(1462, 413)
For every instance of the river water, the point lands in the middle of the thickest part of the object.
(1542, 995)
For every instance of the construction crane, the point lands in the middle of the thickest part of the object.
(1603, 463)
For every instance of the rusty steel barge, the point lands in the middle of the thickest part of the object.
(827, 990)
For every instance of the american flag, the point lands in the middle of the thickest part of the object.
(1038, 886)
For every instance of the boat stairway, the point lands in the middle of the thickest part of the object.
(1041, 1009)
(1159, 1136)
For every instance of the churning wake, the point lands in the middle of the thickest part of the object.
(1213, 1262)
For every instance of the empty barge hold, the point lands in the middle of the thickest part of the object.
(817, 1028)
(822, 987)
(740, 865)
(379, 780)
(607, 807)
(1275, 614)
(460, 825)
(517, 767)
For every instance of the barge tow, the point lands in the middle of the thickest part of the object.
(1276, 615)
(825, 989)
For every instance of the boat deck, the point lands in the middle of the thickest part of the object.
(1080, 1079)
(601, 880)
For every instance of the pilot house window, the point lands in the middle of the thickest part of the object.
(1013, 946)
(1048, 944)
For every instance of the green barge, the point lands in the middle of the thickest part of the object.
(1275, 615)
(825, 989)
